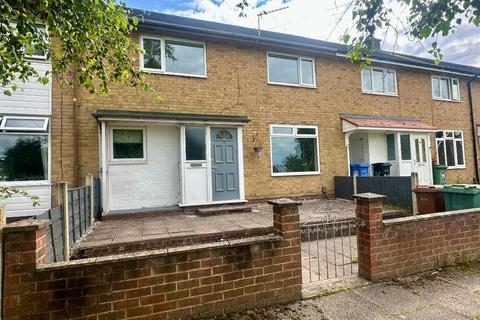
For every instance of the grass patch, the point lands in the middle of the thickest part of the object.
(355, 259)
(477, 317)
(332, 291)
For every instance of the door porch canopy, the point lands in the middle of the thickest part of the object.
(356, 122)
(169, 117)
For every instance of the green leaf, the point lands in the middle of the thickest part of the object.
(7, 92)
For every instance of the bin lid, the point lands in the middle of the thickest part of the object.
(426, 189)
(359, 165)
(382, 164)
(439, 166)
(462, 188)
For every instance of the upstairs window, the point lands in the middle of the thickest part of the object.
(450, 150)
(294, 150)
(444, 88)
(380, 81)
(291, 70)
(171, 56)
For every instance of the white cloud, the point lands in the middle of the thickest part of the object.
(322, 19)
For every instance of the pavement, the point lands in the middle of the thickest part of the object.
(449, 294)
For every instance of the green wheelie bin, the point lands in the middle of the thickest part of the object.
(459, 197)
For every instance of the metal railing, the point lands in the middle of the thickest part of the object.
(329, 250)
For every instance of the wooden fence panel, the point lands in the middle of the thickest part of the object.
(79, 222)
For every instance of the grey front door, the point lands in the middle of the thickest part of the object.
(224, 164)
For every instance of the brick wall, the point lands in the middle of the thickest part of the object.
(403, 246)
(194, 281)
(237, 85)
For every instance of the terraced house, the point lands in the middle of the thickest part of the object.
(248, 115)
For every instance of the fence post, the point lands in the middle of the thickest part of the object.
(355, 188)
(414, 197)
(3, 223)
(89, 183)
(62, 196)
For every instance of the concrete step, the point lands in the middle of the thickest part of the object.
(217, 210)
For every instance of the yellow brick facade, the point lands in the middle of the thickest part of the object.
(236, 84)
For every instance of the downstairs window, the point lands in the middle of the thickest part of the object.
(294, 150)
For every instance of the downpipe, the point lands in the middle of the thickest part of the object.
(474, 127)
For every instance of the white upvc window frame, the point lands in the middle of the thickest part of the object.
(299, 70)
(294, 134)
(29, 183)
(163, 69)
(450, 88)
(444, 139)
(34, 56)
(4, 119)
(384, 71)
(128, 160)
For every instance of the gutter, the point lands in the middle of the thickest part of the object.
(474, 127)
(408, 65)
(226, 35)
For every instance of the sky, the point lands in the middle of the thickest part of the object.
(318, 19)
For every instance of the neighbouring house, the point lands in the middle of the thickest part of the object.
(248, 115)
(25, 142)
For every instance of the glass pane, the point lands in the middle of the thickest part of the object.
(458, 134)
(424, 150)
(223, 135)
(25, 123)
(460, 160)
(282, 130)
(153, 53)
(23, 157)
(294, 154)
(450, 153)
(306, 131)
(195, 143)
(127, 144)
(445, 88)
(441, 152)
(378, 81)
(449, 134)
(185, 58)
(390, 81)
(405, 147)
(439, 134)
(283, 69)
(455, 90)
(367, 79)
(436, 87)
(391, 154)
(417, 150)
(307, 72)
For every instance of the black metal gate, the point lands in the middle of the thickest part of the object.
(329, 250)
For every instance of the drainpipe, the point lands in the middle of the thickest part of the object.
(474, 125)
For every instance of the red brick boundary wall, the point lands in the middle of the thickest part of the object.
(184, 282)
(408, 245)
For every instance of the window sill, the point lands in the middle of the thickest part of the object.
(292, 85)
(128, 161)
(457, 168)
(447, 100)
(153, 71)
(25, 183)
(381, 94)
(288, 174)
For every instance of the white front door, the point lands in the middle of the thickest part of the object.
(421, 158)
